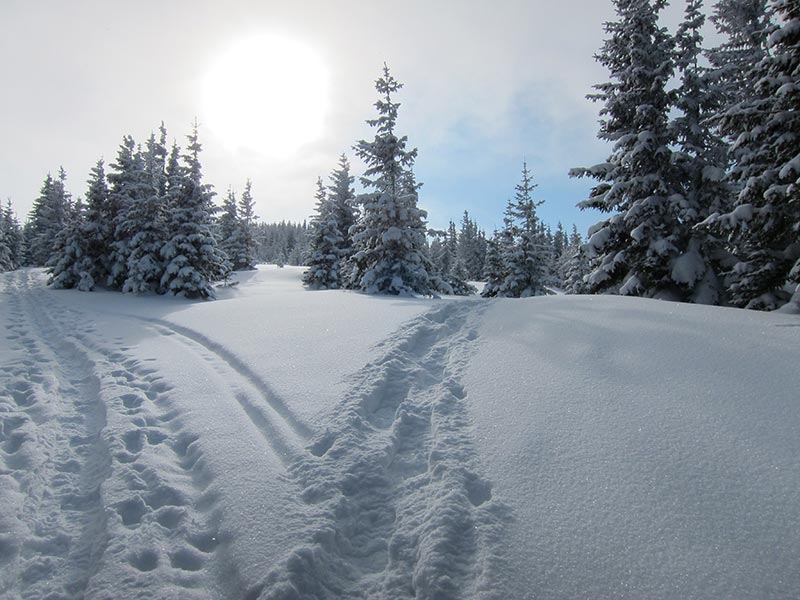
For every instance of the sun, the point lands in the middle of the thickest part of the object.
(268, 94)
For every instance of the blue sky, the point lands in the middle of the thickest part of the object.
(486, 86)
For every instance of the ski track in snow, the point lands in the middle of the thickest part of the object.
(282, 430)
(102, 488)
(391, 490)
(108, 490)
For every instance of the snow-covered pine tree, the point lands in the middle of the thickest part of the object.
(228, 225)
(47, 218)
(574, 265)
(245, 255)
(765, 221)
(637, 246)
(325, 244)
(192, 258)
(390, 246)
(126, 181)
(343, 198)
(66, 264)
(700, 160)
(745, 26)
(495, 271)
(14, 237)
(526, 260)
(471, 248)
(144, 223)
(6, 263)
(97, 231)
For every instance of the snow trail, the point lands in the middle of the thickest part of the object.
(123, 502)
(55, 452)
(278, 425)
(391, 489)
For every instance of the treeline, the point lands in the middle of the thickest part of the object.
(703, 183)
(147, 226)
(378, 242)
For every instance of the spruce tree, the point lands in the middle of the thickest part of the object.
(325, 242)
(245, 256)
(390, 246)
(67, 260)
(526, 259)
(495, 271)
(12, 237)
(192, 258)
(700, 161)
(47, 218)
(765, 222)
(126, 182)
(637, 246)
(228, 226)
(343, 198)
(144, 222)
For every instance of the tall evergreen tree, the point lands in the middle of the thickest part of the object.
(192, 258)
(765, 222)
(12, 237)
(245, 257)
(700, 161)
(67, 260)
(637, 246)
(144, 222)
(745, 26)
(343, 197)
(495, 271)
(47, 218)
(98, 230)
(126, 182)
(526, 259)
(390, 246)
(325, 242)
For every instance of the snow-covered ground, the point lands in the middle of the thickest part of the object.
(280, 443)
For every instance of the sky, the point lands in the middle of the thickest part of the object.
(486, 86)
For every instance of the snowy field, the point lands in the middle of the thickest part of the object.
(281, 443)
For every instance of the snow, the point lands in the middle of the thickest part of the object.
(284, 443)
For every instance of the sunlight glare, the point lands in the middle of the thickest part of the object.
(267, 94)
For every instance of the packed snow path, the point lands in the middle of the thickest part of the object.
(117, 490)
(104, 486)
(396, 506)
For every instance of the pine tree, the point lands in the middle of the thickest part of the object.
(637, 246)
(745, 25)
(11, 233)
(471, 248)
(245, 257)
(526, 259)
(126, 182)
(390, 246)
(47, 218)
(495, 271)
(192, 258)
(325, 242)
(228, 225)
(700, 161)
(342, 195)
(144, 222)
(765, 223)
(574, 265)
(6, 263)
(67, 259)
